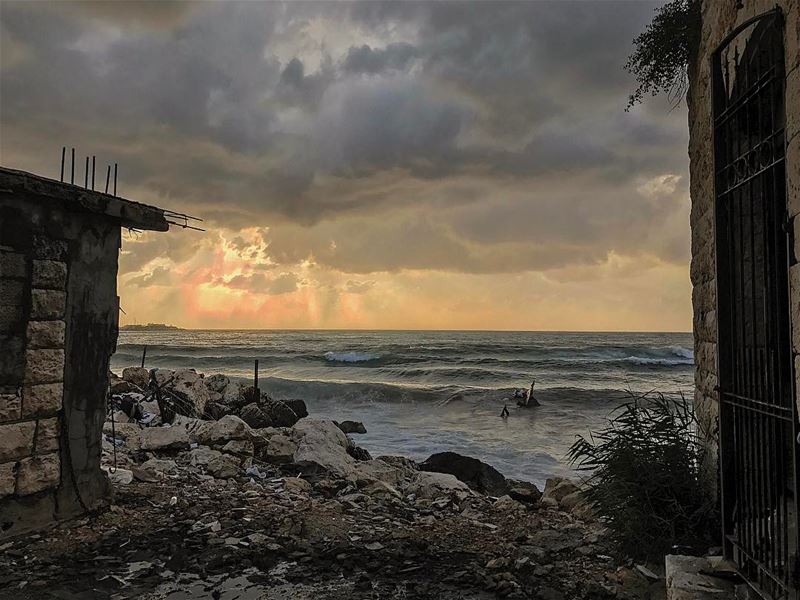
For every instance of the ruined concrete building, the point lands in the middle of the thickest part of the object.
(744, 119)
(58, 328)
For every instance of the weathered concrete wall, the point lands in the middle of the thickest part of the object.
(720, 18)
(58, 325)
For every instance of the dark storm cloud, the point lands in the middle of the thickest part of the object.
(355, 120)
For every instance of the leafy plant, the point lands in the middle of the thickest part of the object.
(645, 478)
(663, 52)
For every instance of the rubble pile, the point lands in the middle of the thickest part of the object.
(223, 508)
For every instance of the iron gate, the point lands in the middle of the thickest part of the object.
(758, 418)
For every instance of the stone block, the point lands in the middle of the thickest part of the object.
(8, 476)
(47, 304)
(47, 436)
(11, 358)
(38, 473)
(44, 366)
(46, 334)
(10, 407)
(12, 292)
(42, 400)
(49, 275)
(793, 175)
(10, 317)
(704, 296)
(705, 356)
(16, 440)
(12, 265)
(46, 248)
(703, 266)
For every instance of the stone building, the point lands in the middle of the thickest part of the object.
(58, 328)
(744, 120)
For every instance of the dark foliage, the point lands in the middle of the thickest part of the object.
(660, 60)
(645, 476)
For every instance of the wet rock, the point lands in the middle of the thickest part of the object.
(164, 438)
(359, 453)
(352, 427)
(478, 475)
(138, 376)
(298, 406)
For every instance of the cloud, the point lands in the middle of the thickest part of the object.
(363, 138)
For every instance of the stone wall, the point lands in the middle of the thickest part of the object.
(58, 325)
(719, 18)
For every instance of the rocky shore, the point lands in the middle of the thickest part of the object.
(244, 496)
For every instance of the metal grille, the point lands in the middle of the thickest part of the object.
(758, 418)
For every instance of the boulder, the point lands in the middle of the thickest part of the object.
(432, 485)
(476, 474)
(189, 386)
(557, 488)
(400, 462)
(280, 414)
(523, 491)
(201, 456)
(254, 416)
(378, 470)
(233, 395)
(381, 489)
(217, 410)
(217, 383)
(507, 504)
(229, 427)
(352, 427)
(358, 452)
(138, 376)
(120, 386)
(321, 446)
(164, 438)
(298, 406)
(280, 449)
(194, 427)
(223, 466)
(295, 485)
(129, 433)
(239, 448)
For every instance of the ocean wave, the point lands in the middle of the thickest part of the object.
(351, 357)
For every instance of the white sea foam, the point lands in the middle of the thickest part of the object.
(351, 356)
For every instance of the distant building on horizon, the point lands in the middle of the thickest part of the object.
(744, 148)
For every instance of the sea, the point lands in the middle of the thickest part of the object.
(421, 392)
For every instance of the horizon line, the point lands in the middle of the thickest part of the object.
(122, 327)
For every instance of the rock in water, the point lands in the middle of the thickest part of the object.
(476, 474)
(352, 427)
(298, 406)
(280, 414)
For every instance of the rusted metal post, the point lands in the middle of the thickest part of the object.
(93, 166)
(72, 167)
(255, 376)
(108, 177)
(115, 179)
(86, 175)
(63, 153)
(144, 354)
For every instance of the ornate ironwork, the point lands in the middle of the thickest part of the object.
(758, 416)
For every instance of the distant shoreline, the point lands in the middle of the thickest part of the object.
(151, 327)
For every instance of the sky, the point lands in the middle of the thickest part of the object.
(399, 165)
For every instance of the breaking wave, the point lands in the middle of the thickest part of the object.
(351, 357)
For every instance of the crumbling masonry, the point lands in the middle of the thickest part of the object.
(58, 328)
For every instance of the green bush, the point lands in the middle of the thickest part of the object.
(645, 478)
(663, 52)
